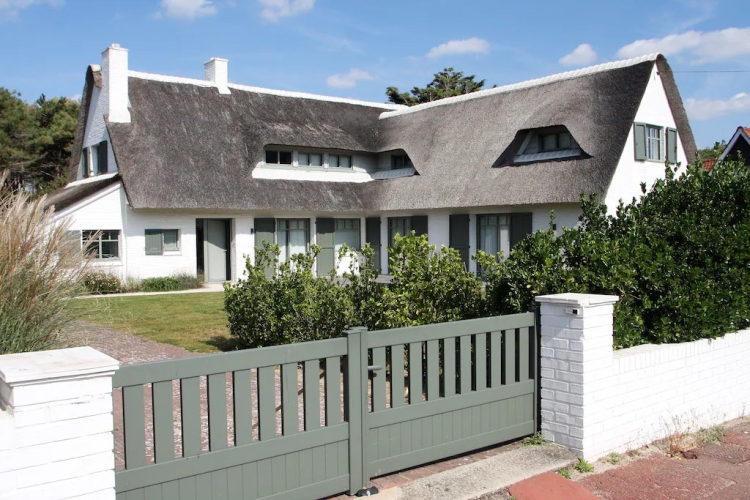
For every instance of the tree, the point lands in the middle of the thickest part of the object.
(447, 83)
(36, 140)
(714, 152)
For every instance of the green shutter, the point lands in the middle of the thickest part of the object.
(324, 238)
(101, 153)
(458, 236)
(265, 229)
(372, 236)
(154, 242)
(520, 226)
(671, 145)
(419, 224)
(640, 141)
(85, 163)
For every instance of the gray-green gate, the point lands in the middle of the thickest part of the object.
(319, 418)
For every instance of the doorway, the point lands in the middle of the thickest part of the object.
(212, 249)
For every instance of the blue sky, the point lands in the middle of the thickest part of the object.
(355, 48)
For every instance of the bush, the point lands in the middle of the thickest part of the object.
(40, 271)
(101, 282)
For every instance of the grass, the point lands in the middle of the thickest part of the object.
(194, 321)
(583, 466)
(564, 472)
(534, 440)
(614, 458)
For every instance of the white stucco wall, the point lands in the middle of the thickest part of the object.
(96, 128)
(630, 173)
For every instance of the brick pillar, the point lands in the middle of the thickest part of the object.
(576, 362)
(56, 425)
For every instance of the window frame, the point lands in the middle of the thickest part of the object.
(278, 153)
(338, 157)
(286, 231)
(392, 235)
(405, 161)
(660, 140)
(163, 248)
(358, 230)
(94, 250)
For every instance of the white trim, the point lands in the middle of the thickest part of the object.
(739, 133)
(260, 90)
(523, 85)
(547, 155)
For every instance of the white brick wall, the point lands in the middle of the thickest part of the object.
(56, 425)
(597, 401)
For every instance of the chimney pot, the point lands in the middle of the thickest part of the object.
(216, 71)
(115, 83)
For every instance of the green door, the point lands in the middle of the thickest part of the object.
(216, 250)
(324, 238)
(459, 236)
(372, 236)
(265, 229)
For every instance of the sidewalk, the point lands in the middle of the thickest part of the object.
(206, 288)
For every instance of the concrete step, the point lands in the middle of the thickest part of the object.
(550, 485)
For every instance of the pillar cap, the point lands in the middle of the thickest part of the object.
(30, 367)
(577, 299)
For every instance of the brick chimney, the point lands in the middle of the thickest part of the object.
(115, 83)
(216, 71)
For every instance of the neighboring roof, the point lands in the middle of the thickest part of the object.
(77, 191)
(742, 133)
(188, 146)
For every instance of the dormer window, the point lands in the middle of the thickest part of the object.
(549, 143)
(277, 157)
(310, 159)
(94, 160)
(401, 161)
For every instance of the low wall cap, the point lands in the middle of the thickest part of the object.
(55, 364)
(577, 299)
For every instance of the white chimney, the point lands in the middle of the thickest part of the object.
(216, 71)
(115, 83)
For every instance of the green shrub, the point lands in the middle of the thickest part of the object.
(40, 272)
(101, 282)
(163, 284)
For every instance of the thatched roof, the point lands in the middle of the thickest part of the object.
(190, 147)
(67, 196)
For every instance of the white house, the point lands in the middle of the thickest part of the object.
(184, 175)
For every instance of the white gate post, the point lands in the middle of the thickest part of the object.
(56, 425)
(576, 365)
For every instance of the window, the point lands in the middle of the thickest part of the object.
(292, 236)
(277, 157)
(401, 161)
(343, 161)
(159, 241)
(101, 158)
(346, 232)
(653, 143)
(310, 159)
(85, 163)
(72, 240)
(398, 225)
(556, 141)
(104, 244)
(494, 234)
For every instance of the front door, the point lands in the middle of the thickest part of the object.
(216, 249)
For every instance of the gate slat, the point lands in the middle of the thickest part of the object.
(449, 367)
(510, 356)
(266, 403)
(523, 354)
(311, 384)
(217, 411)
(243, 407)
(415, 373)
(378, 379)
(397, 376)
(289, 400)
(333, 390)
(190, 396)
(496, 358)
(480, 355)
(465, 342)
(163, 406)
(134, 420)
(433, 369)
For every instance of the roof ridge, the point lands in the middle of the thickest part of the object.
(567, 75)
(261, 90)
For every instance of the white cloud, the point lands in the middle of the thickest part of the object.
(9, 9)
(187, 10)
(705, 109)
(348, 80)
(472, 45)
(582, 55)
(275, 9)
(703, 46)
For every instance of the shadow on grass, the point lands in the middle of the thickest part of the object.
(223, 343)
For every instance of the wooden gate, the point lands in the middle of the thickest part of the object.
(319, 418)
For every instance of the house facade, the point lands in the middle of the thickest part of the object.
(738, 148)
(181, 175)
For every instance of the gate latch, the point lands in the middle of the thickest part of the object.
(374, 368)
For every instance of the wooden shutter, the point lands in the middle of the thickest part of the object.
(85, 163)
(640, 141)
(419, 224)
(103, 158)
(154, 242)
(520, 226)
(458, 236)
(671, 145)
(372, 236)
(265, 230)
(324, 238)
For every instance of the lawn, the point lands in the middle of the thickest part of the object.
(195, 321)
